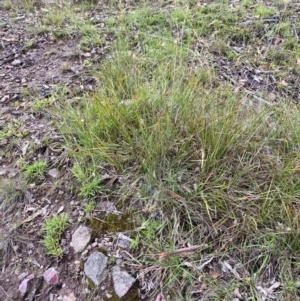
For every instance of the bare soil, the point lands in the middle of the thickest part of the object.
(31, 71)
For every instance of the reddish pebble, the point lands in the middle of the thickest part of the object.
(29, 277)
(159, 297)
(51, 276)
(22, 276)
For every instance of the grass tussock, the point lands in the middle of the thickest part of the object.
(53, 229)
(209, 168)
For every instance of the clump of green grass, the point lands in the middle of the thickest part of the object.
(90, 181)
(263, 11)
(9, 240)
(53, 229)
(55, 18)
(58, 22)
(11, 192)
(90, 35)
(34, 171)
(7, 5)
(158, 124)
(10, 130)
(40, 104)
(28, 4)
(209, 168)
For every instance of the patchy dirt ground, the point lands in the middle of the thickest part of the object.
(32, 74)
(36, 67)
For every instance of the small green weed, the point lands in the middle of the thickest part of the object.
(264, 12)
(90, 182)
(88, 63)
(29, 44)
(53, 229)
(35, 170)
(7, 5)
(89, 207)
(11, 130)
(25, 92)
(41, 104)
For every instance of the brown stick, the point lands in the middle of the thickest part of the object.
(182, 250)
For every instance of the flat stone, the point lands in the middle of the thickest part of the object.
(24, 286)
(3, 142)
(16, 62)
(122, 280)
(80, 238)
(54, 173)
(22, 276)
(95, 266)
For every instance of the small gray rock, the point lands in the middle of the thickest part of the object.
(23, 288)
(123, 281)
(3, 142)
(124, 241)
(54, 173)
(95, 266)
(80, 238)
(3, 172)
(16, 62)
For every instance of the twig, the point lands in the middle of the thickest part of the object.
(4, 291)
(162, 255)
(175, 196)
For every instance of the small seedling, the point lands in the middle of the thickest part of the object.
(25, 92)
(65, 67)
(29, 44)
(89, 207)
(88, 63)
